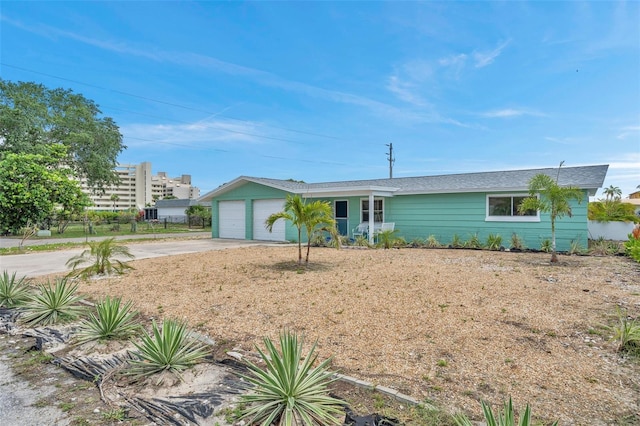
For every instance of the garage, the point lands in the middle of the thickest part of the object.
(262, 209)
(231, 217)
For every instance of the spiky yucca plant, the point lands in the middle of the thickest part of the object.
(290, 391)
(505, 418)
(168, 348)
(101, 259)
(53, 303)
(111, 320)
(13, 291)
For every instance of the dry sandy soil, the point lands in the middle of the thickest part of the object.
(450, 326)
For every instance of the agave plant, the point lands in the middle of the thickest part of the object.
(101, 259)
(53, 303)
(505, 418)
(290, 391)
(170, 348)
(111, 320)
(432, 242)
(13, 291)
(456, 241)
(494, 242)
(627, 333)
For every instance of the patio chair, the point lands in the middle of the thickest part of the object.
(360, 230)
(386, 226)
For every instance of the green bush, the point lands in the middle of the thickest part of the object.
(170, 348)
(505, 418)
(456, 241)
(516, 242)
(473, 242)
(111, 320)
(13, 291)
(289, 390)
(632, 248)
(627, 333)
(432, 242)
(53, 303)
(494, 242)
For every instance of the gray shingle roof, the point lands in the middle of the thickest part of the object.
(585, 177)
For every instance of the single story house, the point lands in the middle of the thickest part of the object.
(173, 210)
(443, 206)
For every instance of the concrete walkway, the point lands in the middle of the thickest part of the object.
(34, 264)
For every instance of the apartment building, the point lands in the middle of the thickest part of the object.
(139, 188)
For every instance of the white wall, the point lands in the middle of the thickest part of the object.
(617, 231)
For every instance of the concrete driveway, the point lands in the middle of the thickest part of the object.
(43, 263)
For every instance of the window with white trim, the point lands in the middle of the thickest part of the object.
(378, 210)
(503, 207)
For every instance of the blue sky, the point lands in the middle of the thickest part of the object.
(314, 91)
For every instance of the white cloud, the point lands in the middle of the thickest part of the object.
(201, 134)
(482, 59)
(510, 112)
(629, 131)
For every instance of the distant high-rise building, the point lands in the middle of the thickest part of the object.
(139, 188)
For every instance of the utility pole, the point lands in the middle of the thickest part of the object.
(391, 159)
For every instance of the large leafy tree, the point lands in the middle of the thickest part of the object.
(33, 117)
(310, 216)
(34, 186)
(547, 196)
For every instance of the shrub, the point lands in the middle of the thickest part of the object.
(387, 239)
(13, 291)
(632, 247)
(473, 242)
(362, 241)
(111, 320)
(494, 242)
(432, 242)
(456, 241)
(170, 348)
(52, 304)
(290, 391)
(505, 418)
(101, 257)
(516, 242)
(602, 247)
(546, 246)
(575, 247)
(627, 333)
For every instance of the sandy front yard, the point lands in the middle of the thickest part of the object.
(451, 326)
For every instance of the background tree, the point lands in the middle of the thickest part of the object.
(33, 117)
(32, 186)
(553, 199)
(612, 193)
(198, 212)
(312, 216)
(114, 198)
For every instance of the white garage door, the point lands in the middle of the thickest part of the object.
(231, 219)
(262, 209)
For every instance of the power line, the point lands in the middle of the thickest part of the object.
(171, 103)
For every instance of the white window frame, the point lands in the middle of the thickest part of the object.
(517, 218)
(374, 203)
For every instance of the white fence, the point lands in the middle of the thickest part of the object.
(617, 231)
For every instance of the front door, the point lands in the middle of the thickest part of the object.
(342, 216)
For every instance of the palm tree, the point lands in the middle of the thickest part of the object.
(554, 199)
(115, 199)
(310, 216)
(612, 192)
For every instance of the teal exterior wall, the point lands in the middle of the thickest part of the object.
(464, 214)
(440, 215)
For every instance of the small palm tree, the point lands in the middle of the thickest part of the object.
(101, 257)
(311, 216)
(612, 192)
(554, 199)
